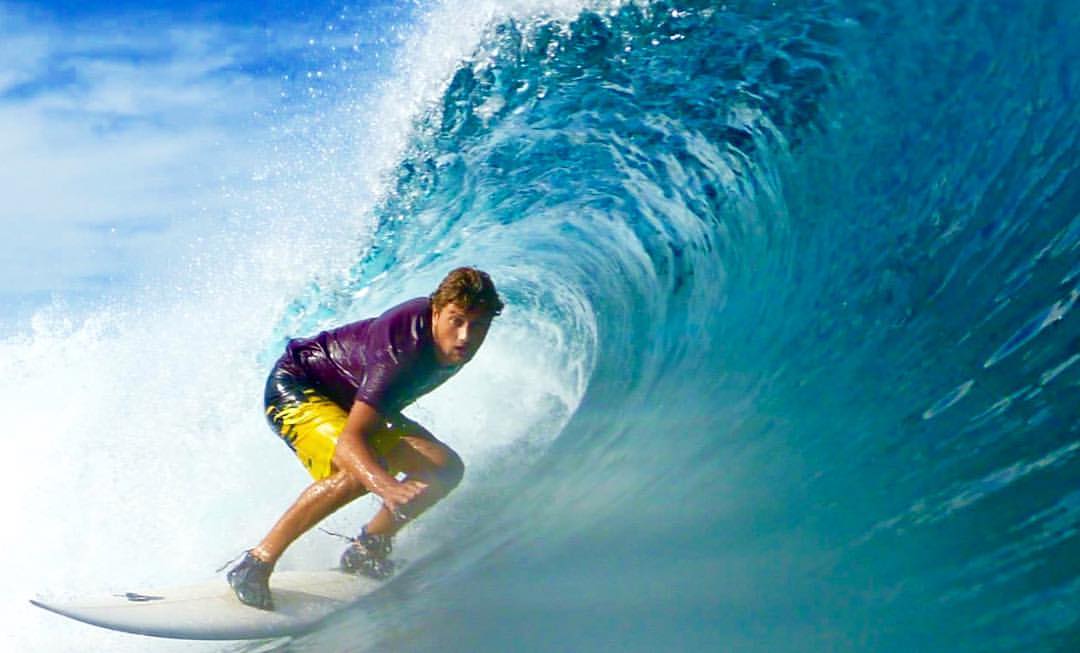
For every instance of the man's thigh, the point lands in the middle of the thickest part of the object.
(420, 454)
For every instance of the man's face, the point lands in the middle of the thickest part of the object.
(458, 333)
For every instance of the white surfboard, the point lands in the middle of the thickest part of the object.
(210, 610)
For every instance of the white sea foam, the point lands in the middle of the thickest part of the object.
(138, 455)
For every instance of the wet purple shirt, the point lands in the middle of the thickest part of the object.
(385, 362)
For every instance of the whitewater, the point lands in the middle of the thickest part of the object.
(789, 361)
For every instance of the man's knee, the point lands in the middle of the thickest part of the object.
(430, 461)
(449, 474)
(344, 486)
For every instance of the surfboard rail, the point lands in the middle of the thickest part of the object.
(210, 610)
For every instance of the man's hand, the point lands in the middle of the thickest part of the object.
(397, 495)
(354, 455)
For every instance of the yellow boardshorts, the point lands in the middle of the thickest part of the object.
(310, 423)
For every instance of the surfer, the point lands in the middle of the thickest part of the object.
(336, 400)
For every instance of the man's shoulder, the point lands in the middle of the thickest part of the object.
(415, 307)
(403, 330)
(409, 322)
(390, 318)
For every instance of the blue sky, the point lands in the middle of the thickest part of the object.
(238, 12)
(125, 127)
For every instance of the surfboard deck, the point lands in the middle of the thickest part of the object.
(210, 610)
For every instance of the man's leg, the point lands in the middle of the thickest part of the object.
(318, 501)
(418, 454)
(421, 457)
(250, 578)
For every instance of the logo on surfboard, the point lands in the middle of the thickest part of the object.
(139, 598)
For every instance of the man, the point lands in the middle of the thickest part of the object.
(336, 400)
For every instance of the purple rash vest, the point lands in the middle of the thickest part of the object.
(385, 362)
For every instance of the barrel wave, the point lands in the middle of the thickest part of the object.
(790, 359)
(809, 271)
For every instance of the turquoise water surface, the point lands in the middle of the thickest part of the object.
(816, 264)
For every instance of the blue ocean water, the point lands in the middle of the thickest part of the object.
(790, 360)
(817, 262)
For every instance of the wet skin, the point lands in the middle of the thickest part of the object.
(431, 468)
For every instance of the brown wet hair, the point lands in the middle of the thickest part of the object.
(470, 289)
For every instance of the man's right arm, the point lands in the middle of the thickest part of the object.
(354, 456)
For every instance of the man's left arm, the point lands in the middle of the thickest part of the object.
(355, 456)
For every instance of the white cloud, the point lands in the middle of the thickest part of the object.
(114, 139)
(21, 52)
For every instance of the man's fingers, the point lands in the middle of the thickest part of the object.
(401, 496)
(419, 485)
